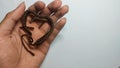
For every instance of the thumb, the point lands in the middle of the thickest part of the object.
(9, 22)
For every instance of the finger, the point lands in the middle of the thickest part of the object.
(38, 6)
(55, 5)
(60, 13)
(52, 7)
(11, 18)
(57, 29)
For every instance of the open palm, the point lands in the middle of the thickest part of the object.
(12, 52)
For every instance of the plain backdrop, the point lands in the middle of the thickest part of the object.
(90, 39)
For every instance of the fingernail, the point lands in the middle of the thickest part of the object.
(21, 4)
(57, 0)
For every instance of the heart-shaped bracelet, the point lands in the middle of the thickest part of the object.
(28, 35)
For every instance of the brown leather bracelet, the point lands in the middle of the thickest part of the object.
(28, 34)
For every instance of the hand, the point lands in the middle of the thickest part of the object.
(12, 52)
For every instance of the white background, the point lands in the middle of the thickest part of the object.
(90, 39)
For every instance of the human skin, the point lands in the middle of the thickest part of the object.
(12, 52)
